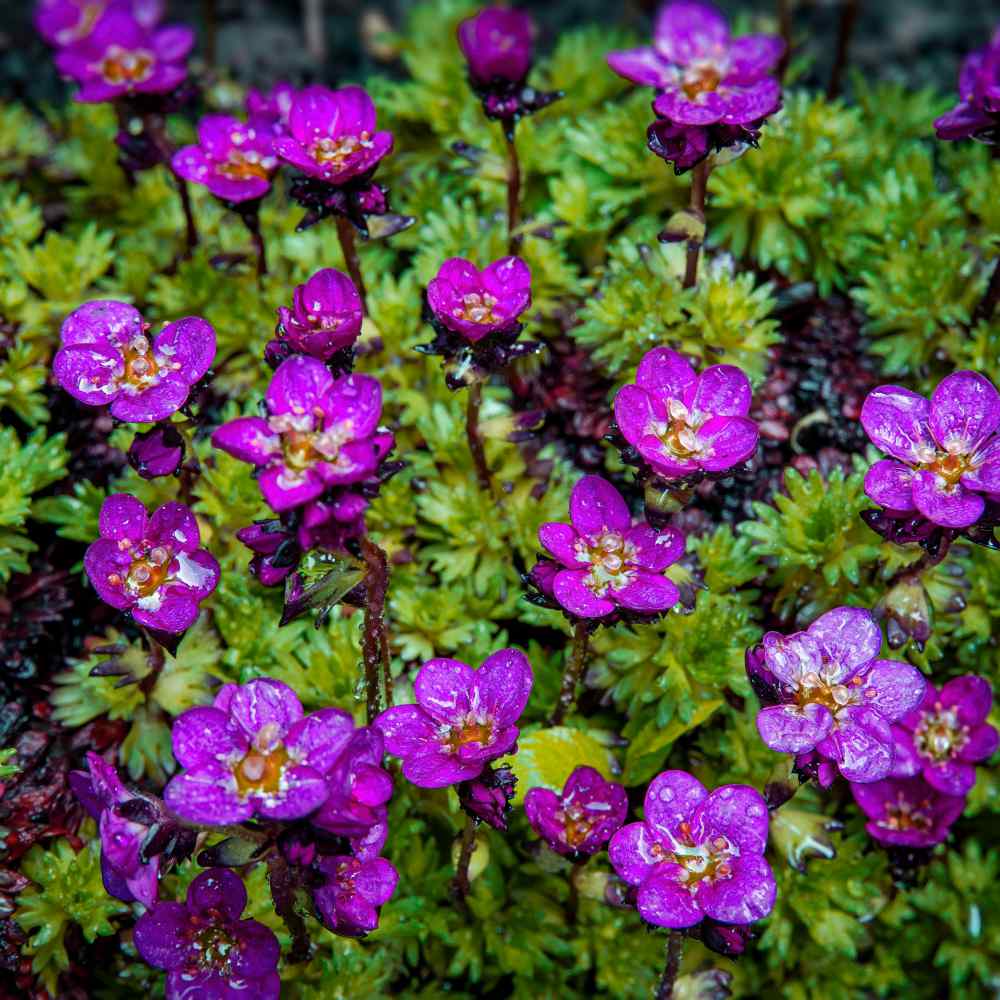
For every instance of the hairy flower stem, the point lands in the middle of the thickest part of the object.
(460, 883)
(573, 672)
(848, 17)
(375, 645)
(988, 303)
(675, 945)
(513, 196)
(348, 246)
(476, 442)
(699, 191)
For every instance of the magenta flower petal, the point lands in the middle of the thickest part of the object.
(949, 506)
(982, 743)
(438, 770)
(898, 421)
(497, 43)
(664, 902)
(665, 373)
(560, 539)
(122, 517)
(860, 746)
(172, 612)
(631, 853)
(157, 403)
(190, 343)
(907, 811)
(218, 889)
(890, 484)
(747, 896)
(794, 729)
(595, 506)
(656, 550)
(985, 478)
(102, 321)
(643, 66)
(893, 688)
(258, 957)
(635, 413)
(648, 593)
(503, 683)
(443, 688)
(89, 373)
(965, 410)
(207, 794)
(298, 386)
(751, 56)
(906, 762)
(357, 400)
(303, 790)
(202, 734)
(265, 702)
(577, 598)
(670, 799)
(173, 42)
(848, 638)
(790, 657)
(723, 390)
(725, 442)
(159, 935)
(674, 104)
(744, 105)
(407, 730)
(686, 31)
(951, 777)
(320, 737)
(737, 812)
(174, 524)
(285, 492)
(249, 439)
(970, 696)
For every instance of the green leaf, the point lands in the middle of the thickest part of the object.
(545, 758)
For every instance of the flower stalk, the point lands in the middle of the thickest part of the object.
(249, 212)
(375, 644)
(699, 191)
(513, 196)
(472, 434)
(573, 672)
(675, 947)
(460, 883)
(349, 248)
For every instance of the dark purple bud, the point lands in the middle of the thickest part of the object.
(487, 798)
(497, 43)
(157, 452)
(725, 939)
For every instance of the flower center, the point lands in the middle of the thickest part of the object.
(298, 450)
(905, 815)
(700, 78)
(240, 166)
(124, 66)
(612, 561)
(335, 152)
(577, 824)
(261, 770)
(939, 734)
(709, 861)
(950, 466)
(477, 307)
(146, 574)
(815, 690)
(211, 948)
(141, 369)
(679, 435)
(469, 730)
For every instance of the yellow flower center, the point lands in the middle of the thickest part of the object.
(121, 66)
(939, 734)
(470, 730)
(709, 861)
(240, 166)
(905, 815)
(146, 574)
(335, 152)
(611, 558)
(700, 78)
(477, 307)
(260, 771)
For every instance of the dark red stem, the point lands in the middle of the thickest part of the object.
(345, 233)
(699, 193)
(573, 672)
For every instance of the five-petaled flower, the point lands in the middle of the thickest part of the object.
(907, 812)
(320, 433)
(325, 317)
(63, 22)
(476, 303)
(151, 566)
(581, 819)
(697, 853)
(235, 160)
(702, 75)
(463, 718)
(205, 947)
(946, 734)
(332, 135)
(606, 562)
(945, 451)
(977, 115)
(826, 690)
(497, 44)
(120, 58)
(107, 358)
(683, 423)
(254, 752)
(352, 891)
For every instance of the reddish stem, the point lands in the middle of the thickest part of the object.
(348, 246)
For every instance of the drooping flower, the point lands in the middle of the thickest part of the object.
(332, 134)
(604, 561)
(358, 787)
(325, 317)
(107, 358)
(581, 819)
(682, 423)
(907, 812)
(488, 796)
(63, 22)
(353, 889)
(946, 734)
(321, 432)
(702, 75)
(151, 566)
(497, 44)
(977, 115)
(254, 752)
(157, 452)
(697, 854)
(274, 107)
(825, 690)
(204, 946)
(126, 874)
(945, 452)
(121, 58)
(463, 718)
(235, 160)
(478, 303)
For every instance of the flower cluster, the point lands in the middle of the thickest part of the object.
(977, 115)
(713, 91)
(603, 566)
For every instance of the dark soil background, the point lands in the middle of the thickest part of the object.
(921, 41)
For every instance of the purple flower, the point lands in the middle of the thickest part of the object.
(685, 146)
(497, 43)
(977, 115)
(358, 787)
(126, 875)
(235, 160)
(682, 423)
(107, 358)
(477, 303)
(274, 107)
(462, 720)
(945, 452)
(353, 890)
(331, 134)
(834, 695)
(581, 819)
(204, 946)
(253, 752)
(120, 57)
(151, 567)
(606, 562)
(487, 797)
(325, 317)
(157, 452)
(907, 812)
(62, 22)
(946, 734)
(703, 76)
(697, 854)
(321, 432)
